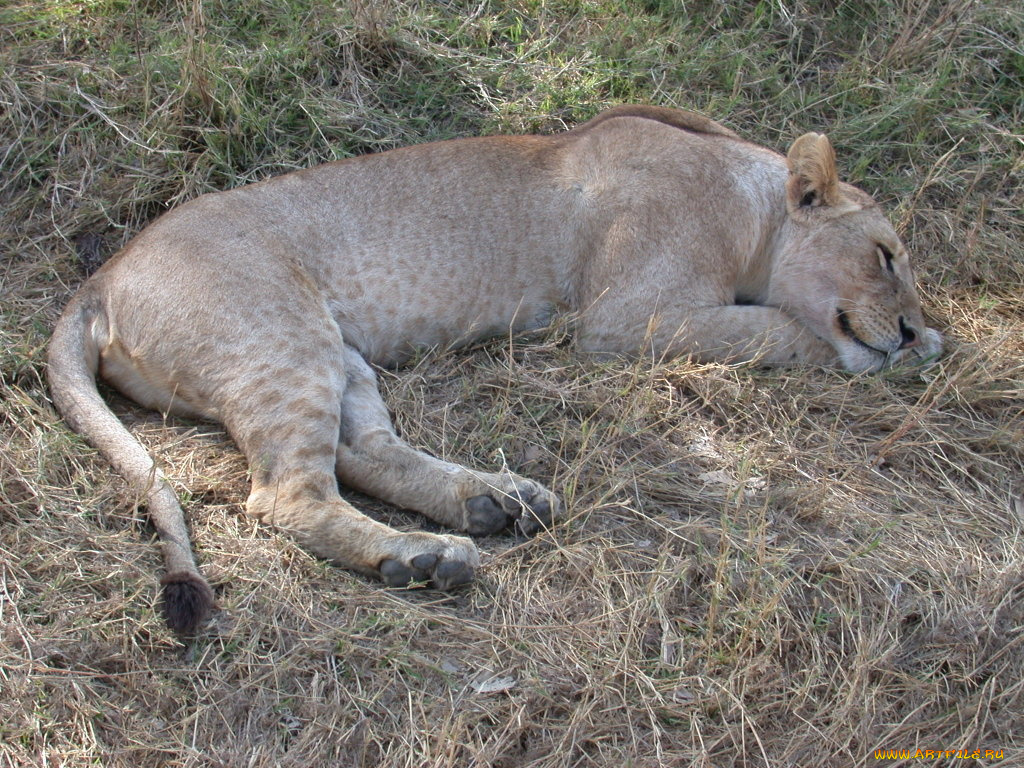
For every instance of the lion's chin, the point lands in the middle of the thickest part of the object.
(857, 358)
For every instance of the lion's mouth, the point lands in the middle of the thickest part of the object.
(847, 329)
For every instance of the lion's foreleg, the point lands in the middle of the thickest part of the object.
(744, 333)
(729, 334)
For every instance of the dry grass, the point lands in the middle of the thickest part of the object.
(757, 568)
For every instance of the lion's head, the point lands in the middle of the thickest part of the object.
(841, 269)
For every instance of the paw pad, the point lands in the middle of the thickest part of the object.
(489, 514)
(426, 568)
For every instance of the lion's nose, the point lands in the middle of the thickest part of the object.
(910, 337)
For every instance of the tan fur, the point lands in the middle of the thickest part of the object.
(260, 307)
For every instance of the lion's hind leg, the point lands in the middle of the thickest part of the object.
(286, 418)
(374, 460)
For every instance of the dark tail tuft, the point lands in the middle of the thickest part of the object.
(187, 601)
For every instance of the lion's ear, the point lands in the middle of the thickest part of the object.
(813, 176)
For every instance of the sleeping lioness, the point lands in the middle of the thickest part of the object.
(264, 306)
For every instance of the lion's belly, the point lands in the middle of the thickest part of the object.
(395, 293)
(389, 333)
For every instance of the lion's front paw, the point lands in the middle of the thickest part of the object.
(931, 348)
(925, 353)
(523, 504)
(443, 562)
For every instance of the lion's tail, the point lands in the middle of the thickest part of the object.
(73, 362)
